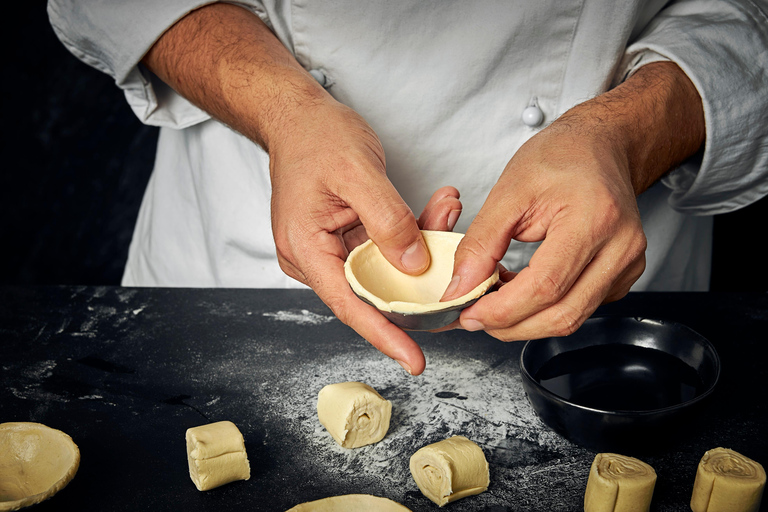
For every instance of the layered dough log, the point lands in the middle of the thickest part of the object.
(350, 503)
(353, 413)
(727, 481)
(618, 483)
(216, 455)
(450, 469)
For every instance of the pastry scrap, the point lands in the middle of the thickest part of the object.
(618, 483)
(36, 462)
(450, 469)
(216, 455)
(350, 503)
(727, 481)
(353, 413)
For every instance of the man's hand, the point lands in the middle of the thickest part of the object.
(330, 190)
(574, 186)
(329, 194)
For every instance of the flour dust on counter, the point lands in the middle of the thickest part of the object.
(300, 317)
(453, 397)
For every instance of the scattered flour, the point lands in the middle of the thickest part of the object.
(453, 397)
(302, 317)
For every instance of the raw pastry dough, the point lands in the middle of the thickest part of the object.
(216, 455)
(618, 483)
(371, 276)
(350, 503)
(450, 469)
(353, 413)
(36, 462)
(727, 481)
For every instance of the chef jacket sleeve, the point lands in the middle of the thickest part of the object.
(722, 45)
(114, 35)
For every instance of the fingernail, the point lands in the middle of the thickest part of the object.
(405, 366)
(415, 257)
(472, 325)
(452, 287)
(453, 218)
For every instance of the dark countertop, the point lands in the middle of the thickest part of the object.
(126, 371)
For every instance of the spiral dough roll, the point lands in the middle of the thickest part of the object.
(353, 413)
(450, 469)
(618, 483)
(727, 481)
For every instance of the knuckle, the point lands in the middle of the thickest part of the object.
(565, 320)
(396, 223)
(548, 288)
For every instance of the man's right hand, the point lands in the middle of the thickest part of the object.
(329, 187)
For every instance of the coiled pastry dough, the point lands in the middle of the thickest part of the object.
(353, 413)
(618, 483)
(450, 469)
(727, 481)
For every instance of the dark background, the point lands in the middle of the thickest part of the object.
(77, 162)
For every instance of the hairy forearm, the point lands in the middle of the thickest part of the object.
(655, 120)
(225, 60)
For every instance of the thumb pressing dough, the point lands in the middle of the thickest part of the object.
(619, 484)
(353, 413)
(727, 481)
(450, 469)
(216, 455)
(351, 503)
(36, 462)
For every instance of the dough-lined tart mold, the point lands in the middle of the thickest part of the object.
(36, 462)
(350, 503)
(412, 302)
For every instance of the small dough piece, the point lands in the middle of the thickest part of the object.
(450, 469)
(618, 483)
(353, 413)
(727, 481)
(350, 503)
(36, 462)
(216, 455)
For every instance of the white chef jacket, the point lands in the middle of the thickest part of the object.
(443, 83)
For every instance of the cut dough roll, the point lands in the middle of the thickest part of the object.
(618, 483)
(350, 503)
(36, 462)
(727, 481)
(216, 455)
(450, 469)
(353, 413)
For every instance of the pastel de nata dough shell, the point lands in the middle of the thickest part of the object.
(350, 503)
(36, 462)
(353, 413)
(401, 297)
(618, 483)
(727, 481)
(450, 469)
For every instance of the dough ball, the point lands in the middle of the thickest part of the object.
(216, 455)
(350, 503)
(619, 484)
(36, 462)
(450, 469)
(727, 481)
(372, 277)
(353, 413)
